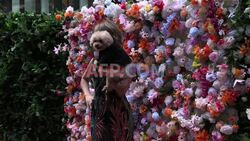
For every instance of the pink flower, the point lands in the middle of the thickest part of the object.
(201, 103)
(214, 56)
(216, 136)
(222, 67)
(56, 50)
(152, 94)
(176, 84)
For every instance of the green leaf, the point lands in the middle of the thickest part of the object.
(27, 74)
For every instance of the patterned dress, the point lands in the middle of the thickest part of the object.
(111, 117)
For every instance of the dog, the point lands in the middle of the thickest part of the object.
(100, 40)
(109, 53)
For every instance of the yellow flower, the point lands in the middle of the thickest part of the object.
(196, 62)
(147, 7)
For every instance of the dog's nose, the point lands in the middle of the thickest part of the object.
(97, 46)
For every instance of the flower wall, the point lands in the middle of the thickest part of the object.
(202, 69)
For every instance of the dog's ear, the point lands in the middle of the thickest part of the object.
(92, 39)
(107, 38)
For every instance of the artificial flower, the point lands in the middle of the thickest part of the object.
(226, 129)
(229, 97)
(134, 11)
(202, 136)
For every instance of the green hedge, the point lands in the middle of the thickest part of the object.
(30, 109)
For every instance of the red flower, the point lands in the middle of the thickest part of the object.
(205, 2)
(219, 12)
(58, 17)
(202, 136)
(143, 44)
(134, 11)
(214, 38)
(229, 97)
(159, 4)
(194, 2)
(168, 112)
(123, 5)
(174, 25)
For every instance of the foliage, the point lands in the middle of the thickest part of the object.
(29, 74)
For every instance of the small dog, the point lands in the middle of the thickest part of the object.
(100, 40)
(109, 53)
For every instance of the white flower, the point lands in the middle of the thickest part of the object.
(129, 26)
(168, 100)
(212, 91)
(159, 82)
(83, 9)
(247, 10)
(162, 69)
(178, 52)
(138, 91)
(182, 61)
(170, 41)
(113, 10)
(226, 129)
(98, 2)
(70, 9)
(155, 116)
(160, 49)
(108, 2)
(188, 92)
(201, 103)
(144, 121)
(152, 94)
(56, 50)
(211, 76)
(248, 113)
(197, 120)
(122, 19)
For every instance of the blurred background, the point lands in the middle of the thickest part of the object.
(40, 5)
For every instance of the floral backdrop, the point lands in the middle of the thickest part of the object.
(202, 48)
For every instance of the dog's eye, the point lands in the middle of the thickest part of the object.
(100, 41)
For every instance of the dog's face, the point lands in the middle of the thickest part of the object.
(100, 40)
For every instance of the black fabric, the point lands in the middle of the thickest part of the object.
(114, 55)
